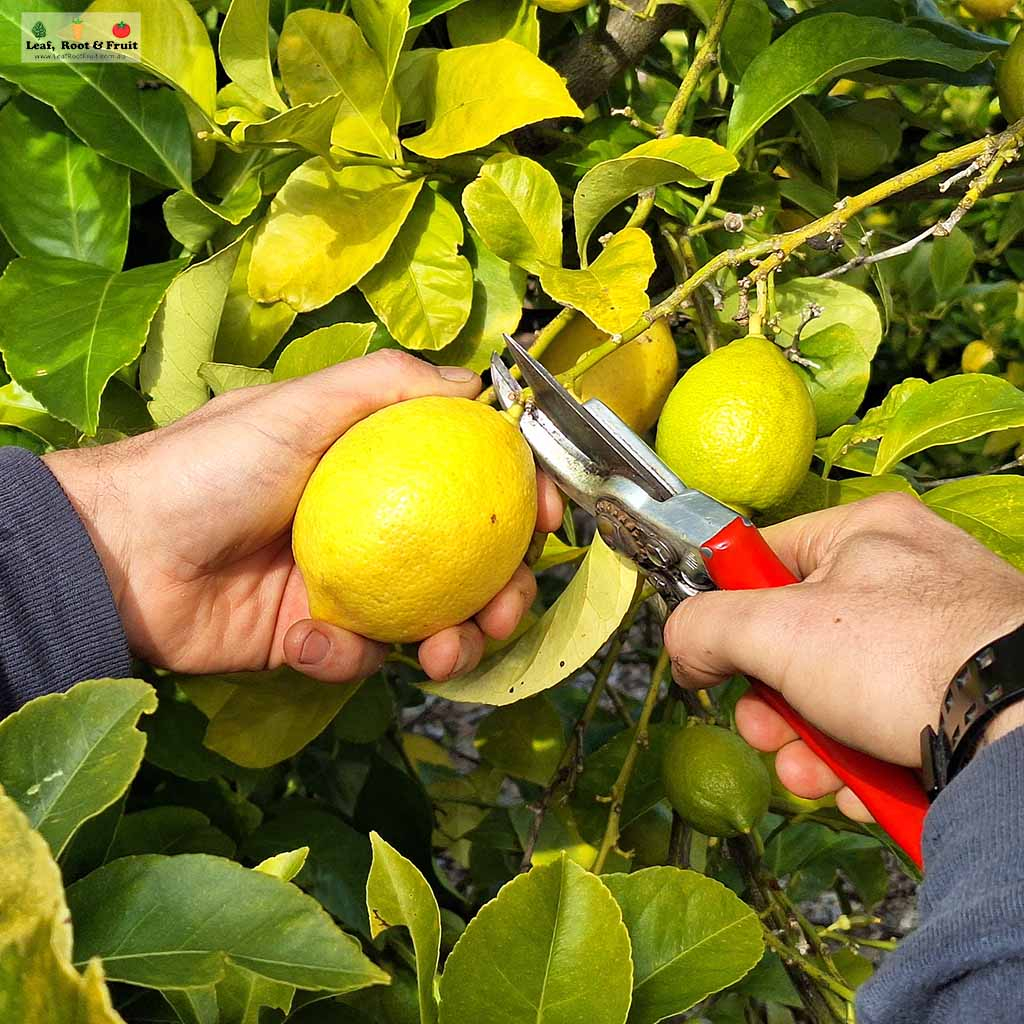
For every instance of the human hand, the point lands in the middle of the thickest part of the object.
(893, 601)
(192, 523)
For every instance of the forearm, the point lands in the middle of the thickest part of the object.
(967, 957)
(58, 621)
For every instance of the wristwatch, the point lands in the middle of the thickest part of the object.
(987, 683)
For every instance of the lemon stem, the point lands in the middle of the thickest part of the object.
(621, 784)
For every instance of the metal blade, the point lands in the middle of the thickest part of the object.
(581, 427)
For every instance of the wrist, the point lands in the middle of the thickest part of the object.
(88, 479)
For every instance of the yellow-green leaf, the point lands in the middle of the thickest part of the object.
(260, 718)
(175, 45)
(423, 288)
(244, 46)
(325, 230)
(524, 740)
(498, 290)
(182, 335)
(612, 291)
(284, 865)
(516, 208)
(416, 83)
(322, 348)
(690, 160)
(949, 411)
(484, 21)
(481, 92)
(321, 55)
(990, 508)
(384, 23)
(224, 377)
(308, 125)
(565, 638)
(398, 894)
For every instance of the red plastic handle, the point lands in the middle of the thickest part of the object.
(740, 559)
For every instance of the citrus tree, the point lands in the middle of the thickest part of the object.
(636, 187)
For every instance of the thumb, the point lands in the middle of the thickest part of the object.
(333, 400)
(714, 635)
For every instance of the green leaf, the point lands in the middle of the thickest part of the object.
(818, 50)
(244, 47)
(601, 768)
(249, 330)
(77, 206)
(838, 379)
(557, 552)
(242, 996)
(990, 508)
(515, 207)
(182, 335)
(483, 91)
(612, 291)
(325, 347)
(174, 922)
(415, 83)
(225, 377)
(949, 411)
(524, 740)
(840, 304)
(423, 289)
(66, 327)
(950, 262)
(817, 141)
(284, 865)
(260, 718)
(67, 756)
(690, 936)
(175, 45)
(691, 161)
(146, 130)
(486, 21)
(308, 125)
(497, 308)
(194, 221)
(422, 11)
(550, 949)
(398, 894)
(858, 487)
(564, 639)
(385, 23)
(336, 869)
(167, 829)
(325, 230)
(321, 55)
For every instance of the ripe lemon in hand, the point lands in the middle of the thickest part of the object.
(633, 381)
(415, 518)
(740, 426)
(715, 781)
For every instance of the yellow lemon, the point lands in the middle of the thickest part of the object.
(561, 6)
(1010, 80)
(989, 10)
(976, 356)
(715, 781)
(740, 425)
(633, 381)
(415, 518)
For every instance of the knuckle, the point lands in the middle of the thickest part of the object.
(892, 507)
(392, 360)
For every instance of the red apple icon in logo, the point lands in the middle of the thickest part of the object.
(121, 29)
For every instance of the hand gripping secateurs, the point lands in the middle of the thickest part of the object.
(684, 542)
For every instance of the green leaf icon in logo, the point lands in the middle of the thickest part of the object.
(39, 30)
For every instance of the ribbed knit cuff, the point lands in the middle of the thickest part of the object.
(971, 902)
(58, 621)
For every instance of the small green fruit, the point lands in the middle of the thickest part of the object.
(1010, 80)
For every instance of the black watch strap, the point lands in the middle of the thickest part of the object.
(987, 683)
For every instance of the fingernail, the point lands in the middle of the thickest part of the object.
(314, 648)
(456, 374)
(461, 664)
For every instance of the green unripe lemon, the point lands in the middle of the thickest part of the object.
(866, 136)
(648, 837)
(716, 783)
(785, 802)
(1010, 80)
(740, 425)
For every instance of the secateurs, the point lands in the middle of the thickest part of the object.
(684, 542)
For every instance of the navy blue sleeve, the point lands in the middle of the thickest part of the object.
(58, 621)
(966, 960)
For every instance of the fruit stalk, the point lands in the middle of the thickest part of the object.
(621, 784)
